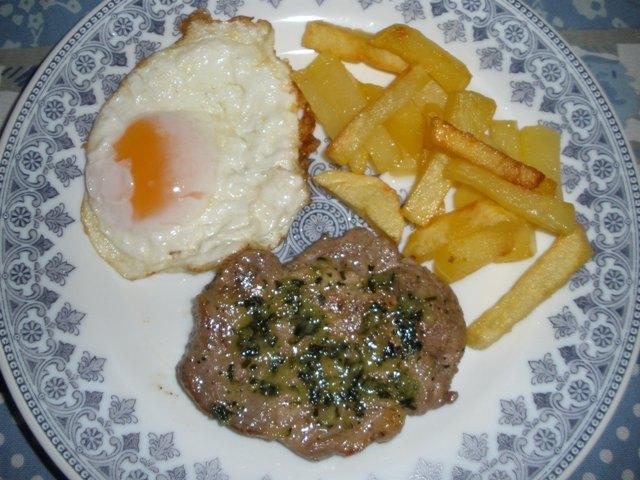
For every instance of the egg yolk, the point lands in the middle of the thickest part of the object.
(146, 146)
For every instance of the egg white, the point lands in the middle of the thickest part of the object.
(231, 111)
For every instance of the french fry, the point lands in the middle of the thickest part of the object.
(407, 127)
(358, 164)
(540, 148)
(350, 45)
(369, 196)
(387, 156)
(524, 244)
(431, 93)
(415, 48)
(465, 195)
(423, 242)
(465, 145)
(370, 91)
(549, 273)
(548, 188)
(333, 93)
(335, 97)
(549, 213)
(464, 255)
(423, 203)
(470, 112)
(349, 142)
(339, 41)
(429, 112)
(384, 60)
(505, 137)
(385, 153)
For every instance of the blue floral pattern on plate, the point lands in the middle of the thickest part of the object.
(541, 431)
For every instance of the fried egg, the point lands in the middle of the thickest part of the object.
(199, 153)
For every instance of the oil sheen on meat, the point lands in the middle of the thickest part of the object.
(327, 353)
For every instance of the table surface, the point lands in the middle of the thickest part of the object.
(604, 33)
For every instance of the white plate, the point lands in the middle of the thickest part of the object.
(90, 358)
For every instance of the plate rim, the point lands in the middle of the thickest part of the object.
(623, 144)
(93, 16)
(10, 380)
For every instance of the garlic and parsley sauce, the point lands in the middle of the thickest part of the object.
(337, 375)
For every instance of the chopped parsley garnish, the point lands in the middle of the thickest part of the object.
(338, 376)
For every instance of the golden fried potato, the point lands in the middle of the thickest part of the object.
(549, 213)
(370, 91)
(426, 197)
(429, 112)
(524, 246)
(470, 112)
(423, 242)
(431, 93)
(358, 164)
(350, 45)
(384, 60)
(387, 156)
(369, 196)
(415, 48)
(548, 188)
(407, 128)
(385, 152)
(540, 148)
(505, 137)
(348, 144)
(464, 255)
(333, 93)
(464, 145)
(465, 195)
(549, 273)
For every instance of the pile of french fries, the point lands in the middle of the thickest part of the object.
(426, 123)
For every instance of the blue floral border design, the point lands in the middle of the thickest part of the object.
(60, 382)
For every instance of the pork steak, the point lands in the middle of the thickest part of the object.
(326, 353)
